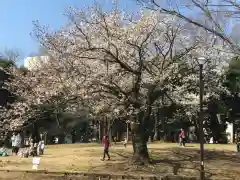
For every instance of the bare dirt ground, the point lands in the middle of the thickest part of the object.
(221, 161)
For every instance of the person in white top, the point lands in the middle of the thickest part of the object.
(125, 142)
(56, 140)
(13, 143)
(41, 147)
(211, 140)
(16, 143)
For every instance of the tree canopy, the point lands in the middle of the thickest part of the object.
(112, 66)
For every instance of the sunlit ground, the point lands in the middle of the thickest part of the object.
(221, 161)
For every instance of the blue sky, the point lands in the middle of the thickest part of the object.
(16, 18)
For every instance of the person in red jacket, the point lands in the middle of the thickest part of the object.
(182, 137)
(105, 142)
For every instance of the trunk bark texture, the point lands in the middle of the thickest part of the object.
(140, 150)
(156, 135)
(140, 135)
(35, 133)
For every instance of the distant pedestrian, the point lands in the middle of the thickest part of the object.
(74, 134)
(238, 141)
(125, 142)
(115, 140)
(25, 152)
(3, 150)
(13, 143)
(211, 141)
(56, 140)
(16, 143)
(182, 138)
(41, 136)
(18, 140)
(106, 145)
(41, 147)
(33, 149)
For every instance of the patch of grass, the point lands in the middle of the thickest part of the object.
(168, 158)
(25, 176)
(66, 146)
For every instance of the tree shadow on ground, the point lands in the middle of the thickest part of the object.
(179, 161)
(187, 161)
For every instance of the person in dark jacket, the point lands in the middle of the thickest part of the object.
(238, 141)
(106, 145)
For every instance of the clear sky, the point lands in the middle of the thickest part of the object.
(16, 17)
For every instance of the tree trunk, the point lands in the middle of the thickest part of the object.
(100, 131)
(109, 131)
(35, 132)
(140, 150)
(155, 138)
(127, 133)
(157, 119)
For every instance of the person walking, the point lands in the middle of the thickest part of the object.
(125, 142)
(106, 144)
(73, 134)
(238, 140)
(13, 139)
(18, 142)
(182, 137)
(41, 147)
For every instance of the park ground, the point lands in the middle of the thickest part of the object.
(221, 161)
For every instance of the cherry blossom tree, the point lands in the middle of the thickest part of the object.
(218, 15)
(113, 65)
(33, 89)
(7, 59)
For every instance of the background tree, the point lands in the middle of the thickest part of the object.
(232, 99)
(5, 95)
(7, 60)
(232, 76)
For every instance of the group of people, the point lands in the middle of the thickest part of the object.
(30, 148)
(16, 144)
(182, 139)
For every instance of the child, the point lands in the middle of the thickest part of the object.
(20, 152)
(33, 149)
(25, 152)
